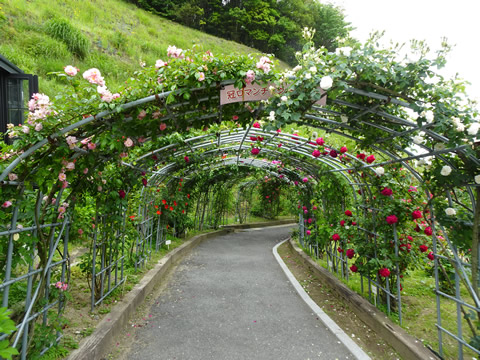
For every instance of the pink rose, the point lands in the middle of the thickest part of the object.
(128, 142)
(320, 141)
(6, 204)
(163, 126)
(62, 176)
(316, 153)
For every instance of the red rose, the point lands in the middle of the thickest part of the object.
(354, 223)
(417, 228)
(186, 159)
(343, 149)
(255, 151)
(320, 141)
(392, 219)
(423, 248)
(416, 214)
(122, 194)
(342, 222)
(430, 255)
(144, 182)
(387, 192)
(350, 253)
(428, 231)
(353, 268)
(348, 213)
(333, 153)
(316, 153)
(340, 250)
(409, 238)
(384, 272)
(370, 159)
(361, 156)
(335, 237)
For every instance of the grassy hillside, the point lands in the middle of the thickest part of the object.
(41, 36)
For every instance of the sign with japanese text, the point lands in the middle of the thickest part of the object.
(230, 94)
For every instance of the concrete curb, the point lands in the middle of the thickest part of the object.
(101, 341)
(352, 346)
(103, 338)
(406, 345)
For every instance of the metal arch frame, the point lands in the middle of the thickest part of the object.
(374, 110)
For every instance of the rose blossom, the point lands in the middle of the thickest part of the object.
(431, 256)
(335, 237)
(370, 159)
(62, 176)
(128, 142)
(320, 141)
(353, 268)
(416, 214)
(343, 149)
(348, 213)
(326, 82)
(255, 151)
(450, 211)
(316, 153)
(423, 248)
(70, 70)
(387, 192)
(350, 253)
(391, 219)
(12, 177)
(250, 77)
(428, 231)
(6, 204)
(446, 170)
(163, 126)
(384, 272)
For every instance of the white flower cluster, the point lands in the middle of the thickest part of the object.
(347, 50)
(458, 124)
(428, 115)
(473, 129)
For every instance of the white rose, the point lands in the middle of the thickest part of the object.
(429, 116)
(271, 116)
(460, 128)
(450, 211)
(477, 179)
(326, 82)
(380, 171)
(344, 118)
(446, 170)
(417, 139)
(473, 129)
(284, 98)
(25, 129)
(439, 147)
(308, 76)
(296, 68)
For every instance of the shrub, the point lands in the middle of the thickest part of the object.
(62, 30)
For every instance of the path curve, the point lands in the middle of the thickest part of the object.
(231, 300)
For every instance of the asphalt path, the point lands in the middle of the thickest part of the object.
(230, 299)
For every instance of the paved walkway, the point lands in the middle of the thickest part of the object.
(230, 300)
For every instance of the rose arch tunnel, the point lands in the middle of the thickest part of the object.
(381, 165)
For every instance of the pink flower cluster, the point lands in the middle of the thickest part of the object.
(93, 76)
(250, 76)
(173, 51)
(40, 107)
(61, 285)
(264, 64)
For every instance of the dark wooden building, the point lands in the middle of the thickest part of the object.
(16, 89)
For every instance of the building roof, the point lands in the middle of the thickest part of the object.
(7, 66)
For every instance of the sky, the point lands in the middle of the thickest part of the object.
(428, 20)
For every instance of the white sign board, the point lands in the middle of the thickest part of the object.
(256, 92)
(168, 242)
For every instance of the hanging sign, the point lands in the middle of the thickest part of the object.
(256, 92)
